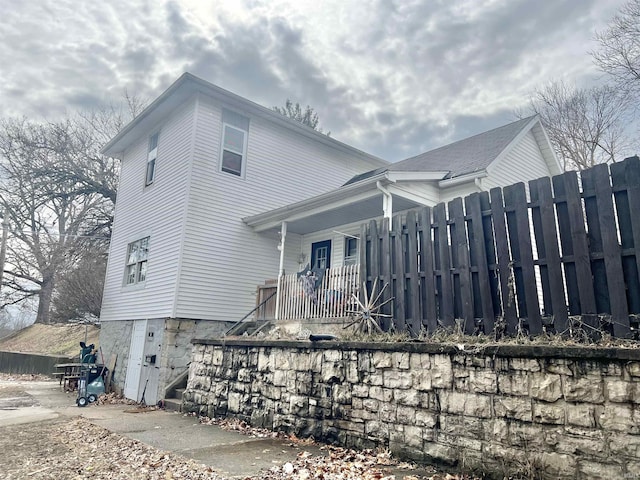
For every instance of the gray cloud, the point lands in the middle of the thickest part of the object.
(394, 79)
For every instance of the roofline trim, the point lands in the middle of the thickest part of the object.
(467, 177)
(202, 86)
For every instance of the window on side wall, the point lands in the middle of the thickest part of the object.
(350, 251)
(137, 255)
(235, 130)
(151, 159)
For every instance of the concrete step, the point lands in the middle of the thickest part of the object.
(173, 404)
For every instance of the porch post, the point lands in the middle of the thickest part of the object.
(387, 201)
(283, 235)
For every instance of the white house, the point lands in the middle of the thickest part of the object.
(218, 194)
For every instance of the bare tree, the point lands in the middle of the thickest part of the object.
(306, 116)
(59, 193)
(78, 293)
(619, 53)
(49, 219)
(586, 126)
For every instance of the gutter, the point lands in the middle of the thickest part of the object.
(469, 177)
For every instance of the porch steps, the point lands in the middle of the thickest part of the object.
(174, 403)
(250, 328)
(173, 393)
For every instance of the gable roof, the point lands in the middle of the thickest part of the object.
(359, 199)
(473, 154)
(188, 85)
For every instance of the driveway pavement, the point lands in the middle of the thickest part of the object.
(230, 453)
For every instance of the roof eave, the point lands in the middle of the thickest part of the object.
(460, 179)
(401, 176)
(189, 84)
(264, 221)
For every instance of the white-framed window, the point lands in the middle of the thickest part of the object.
(151, 159)
(235, 130)
(350, 251)
(137, 255)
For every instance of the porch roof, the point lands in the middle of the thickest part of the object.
(350, 203)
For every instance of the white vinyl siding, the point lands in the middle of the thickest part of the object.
(523, 163)
(448, 194)
(224, 260)
(158, 213)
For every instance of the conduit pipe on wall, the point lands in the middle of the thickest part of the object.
(387, 201)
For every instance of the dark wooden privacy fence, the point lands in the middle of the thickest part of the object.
(497, 262)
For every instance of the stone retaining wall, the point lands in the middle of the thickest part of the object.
(542, 411)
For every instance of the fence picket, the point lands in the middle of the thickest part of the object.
(515, 200)
(478, 246)
(461, 267)
(385, 275)
(445, 290)
(399, 280)
(547, 242)
(625, 177)
(413, 285)
(365, 247)
(428, 286)
(505, 267)
(611, 251)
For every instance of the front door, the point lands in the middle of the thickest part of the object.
(321, 255)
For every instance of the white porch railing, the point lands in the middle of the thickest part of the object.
(331, 299)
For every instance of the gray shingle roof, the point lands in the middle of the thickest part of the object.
(464, 156)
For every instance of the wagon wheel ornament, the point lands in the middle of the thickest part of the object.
(367, 314)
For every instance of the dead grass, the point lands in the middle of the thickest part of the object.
(57, 339)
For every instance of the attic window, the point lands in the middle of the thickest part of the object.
(151, 159)
(235, 129)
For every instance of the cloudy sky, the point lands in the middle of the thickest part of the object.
(391, 77)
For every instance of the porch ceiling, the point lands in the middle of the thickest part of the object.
(358, 211)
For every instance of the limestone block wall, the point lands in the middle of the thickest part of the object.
(115, 338)
(543, 411)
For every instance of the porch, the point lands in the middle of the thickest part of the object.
(330, 298)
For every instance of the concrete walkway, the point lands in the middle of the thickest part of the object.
(230, 453)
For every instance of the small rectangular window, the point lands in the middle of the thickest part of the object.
(235, 129)
(136, 267)
(151, 159)
(350, 251)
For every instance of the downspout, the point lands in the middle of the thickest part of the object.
(478, 182)
(283, 236)
(387, 201)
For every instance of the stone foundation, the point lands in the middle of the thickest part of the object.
(556, 413)
(175, 354)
